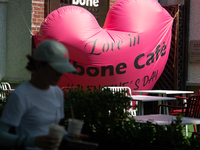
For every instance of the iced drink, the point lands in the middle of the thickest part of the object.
(58, 131)
(74, 127)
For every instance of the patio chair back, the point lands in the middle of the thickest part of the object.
(193, 106)
(190, 109)
(5, 86)
(132, 110)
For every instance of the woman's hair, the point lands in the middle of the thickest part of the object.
(31, 64)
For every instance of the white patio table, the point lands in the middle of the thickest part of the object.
(164, 93)
(161, 119)
(144, 98)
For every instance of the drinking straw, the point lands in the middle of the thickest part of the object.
(72, 112)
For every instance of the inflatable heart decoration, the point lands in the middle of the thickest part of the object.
(130, 50)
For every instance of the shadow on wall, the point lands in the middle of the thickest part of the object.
(171, 2)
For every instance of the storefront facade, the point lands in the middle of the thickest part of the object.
(25, 16)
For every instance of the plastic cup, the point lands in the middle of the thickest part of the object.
(74, 127)
(58, 131)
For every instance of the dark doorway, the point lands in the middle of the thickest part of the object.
(99, 10)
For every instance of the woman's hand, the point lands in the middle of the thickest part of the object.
(78, 137)
(81, 136)
(47, 142)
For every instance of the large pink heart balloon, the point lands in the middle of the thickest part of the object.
(130, 50)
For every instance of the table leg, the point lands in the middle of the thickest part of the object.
(141, 108)
(186, 127)
(186, 130)
(166, 108)
(184, 100)
(159, 102)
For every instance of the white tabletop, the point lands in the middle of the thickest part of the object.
(145, 98)
(164, 91)
(165, 119)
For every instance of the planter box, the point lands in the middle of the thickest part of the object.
(111, 144)
(78, 145)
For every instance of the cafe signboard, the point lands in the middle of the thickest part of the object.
(91, 3)
(194, 53)
(98, 8)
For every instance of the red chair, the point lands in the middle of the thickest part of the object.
(190, 109)
(178, 111)
(197, 134)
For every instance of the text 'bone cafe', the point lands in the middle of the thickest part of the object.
(91, 3)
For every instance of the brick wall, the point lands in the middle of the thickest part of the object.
(38, 13)
(112, 2)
